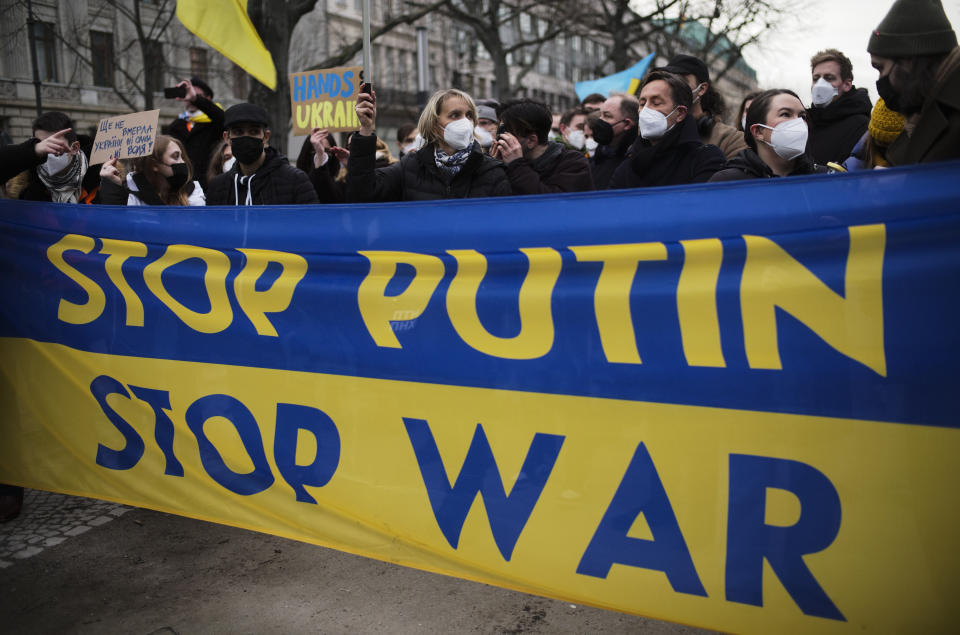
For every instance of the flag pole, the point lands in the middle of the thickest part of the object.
(367, 66)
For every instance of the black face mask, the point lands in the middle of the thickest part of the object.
(246, 149)
(602, 132)
(888, 94)
(179, 177)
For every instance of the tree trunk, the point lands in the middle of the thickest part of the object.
(274, 21)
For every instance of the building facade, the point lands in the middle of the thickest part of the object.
(95, 62)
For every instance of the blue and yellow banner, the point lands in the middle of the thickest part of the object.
(725, 405)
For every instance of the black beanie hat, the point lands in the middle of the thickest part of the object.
(911, 28)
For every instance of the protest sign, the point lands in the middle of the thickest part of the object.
(125, 136)
(735, 410)
(325, 99)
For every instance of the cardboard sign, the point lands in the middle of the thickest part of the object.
(325, 99)
(125, 136)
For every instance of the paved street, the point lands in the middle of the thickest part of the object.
(76, 565)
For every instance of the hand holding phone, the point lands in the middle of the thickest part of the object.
(175, 91)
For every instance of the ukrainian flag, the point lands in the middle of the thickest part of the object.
(625, 81)
(225, 25)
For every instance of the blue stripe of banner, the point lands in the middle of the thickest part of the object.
(323, 330)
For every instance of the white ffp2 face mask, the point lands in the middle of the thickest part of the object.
(56, 164)
(484, 136)
(823, 92)
(591, 145)
(653, 123)
(576, 139)
(789, 139)
(459, 134)
(228, 164)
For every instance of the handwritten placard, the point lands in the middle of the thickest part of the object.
(325, 99)
(125, 136)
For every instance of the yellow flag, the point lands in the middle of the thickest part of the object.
(225, 25)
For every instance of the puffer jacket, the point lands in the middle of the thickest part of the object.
(276, 182)
(837, 127)
(416, 176)
(749, 165)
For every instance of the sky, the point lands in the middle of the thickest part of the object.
(783, 59)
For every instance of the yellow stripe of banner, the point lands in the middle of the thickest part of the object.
(893, 565)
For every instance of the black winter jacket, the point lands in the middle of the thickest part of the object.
(837, 127)
(416, 176)
(607, 159)
(749, 165)
(678, 158)
(558, 169)
(15, 159)
(936, 133)
(201, 139)
(109, 193)
(324, 178)
(275, 183)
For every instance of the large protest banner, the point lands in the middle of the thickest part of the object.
(726, 405)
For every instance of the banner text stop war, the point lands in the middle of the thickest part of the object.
(325, 99)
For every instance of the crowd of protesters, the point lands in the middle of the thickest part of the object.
(673, 131)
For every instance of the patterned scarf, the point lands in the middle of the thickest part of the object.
(450, 164)
(197, 116)
(65, 186)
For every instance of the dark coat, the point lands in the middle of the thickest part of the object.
(678, 158)
(837, 127)
(749, 165)
(416, 176)
(200, 139)
(607, 159)
(275, 183)
(558, 169)
(936, 133)
(324, 178)
(15, 159)
(109, 193)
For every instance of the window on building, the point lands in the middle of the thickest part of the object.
(543, 65)
(525, 24)
(542, 27)
(561, 69)
(45, 43)
(153, 70)
(198, 63)
(101, 57)
(241, 85)
(575, 43)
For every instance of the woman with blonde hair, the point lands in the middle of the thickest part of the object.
(163, 177)
(451, 164)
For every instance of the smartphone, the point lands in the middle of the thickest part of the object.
(366, 87)
(174, 92)
(501, 130)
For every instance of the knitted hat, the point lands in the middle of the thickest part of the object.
(913, 27)
(885, 124)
